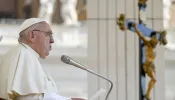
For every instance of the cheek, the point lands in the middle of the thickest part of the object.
(47, 44)
(41, 43)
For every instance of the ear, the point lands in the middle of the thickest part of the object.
(31, 37)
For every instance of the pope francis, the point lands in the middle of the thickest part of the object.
(21, 74)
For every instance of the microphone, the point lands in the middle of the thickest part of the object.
(70, 61)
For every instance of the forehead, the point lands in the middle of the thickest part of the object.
(44, 26)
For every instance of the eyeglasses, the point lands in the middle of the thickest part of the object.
(46, 33)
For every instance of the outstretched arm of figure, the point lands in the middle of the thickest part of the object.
(139, 33)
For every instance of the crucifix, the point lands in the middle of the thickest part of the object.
(149, 38)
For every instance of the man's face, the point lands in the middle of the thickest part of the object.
(43, 39)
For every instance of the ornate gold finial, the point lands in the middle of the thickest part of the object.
(142, 2)
(121, 21)
(163, 39)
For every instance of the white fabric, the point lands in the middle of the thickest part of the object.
(54, 96)
(22, 73)
(31, 97)
(45, 96)
(29, 22)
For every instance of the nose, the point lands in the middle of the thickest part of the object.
(51, 40)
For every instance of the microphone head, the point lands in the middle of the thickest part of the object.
(65, 59)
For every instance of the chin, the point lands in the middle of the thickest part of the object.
(47, 54)
(42, 57)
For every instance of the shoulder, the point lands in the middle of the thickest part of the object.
(147, 38)
(16, 52)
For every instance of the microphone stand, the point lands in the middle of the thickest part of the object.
(70, 61)
(90, 71)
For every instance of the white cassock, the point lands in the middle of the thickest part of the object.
(23, 78)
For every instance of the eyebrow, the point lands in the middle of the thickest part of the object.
(49, 31)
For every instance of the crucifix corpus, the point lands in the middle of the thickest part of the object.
(149, 40)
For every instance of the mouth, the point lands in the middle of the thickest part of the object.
(50, 47)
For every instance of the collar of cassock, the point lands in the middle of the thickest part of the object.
(31, 50)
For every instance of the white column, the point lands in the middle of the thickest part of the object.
(159, 92)
(114, 53)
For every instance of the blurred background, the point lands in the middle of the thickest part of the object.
(72, 39)
(169, 24)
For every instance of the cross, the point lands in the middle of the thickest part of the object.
(125, 24)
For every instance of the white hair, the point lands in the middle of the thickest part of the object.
(24, 34)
